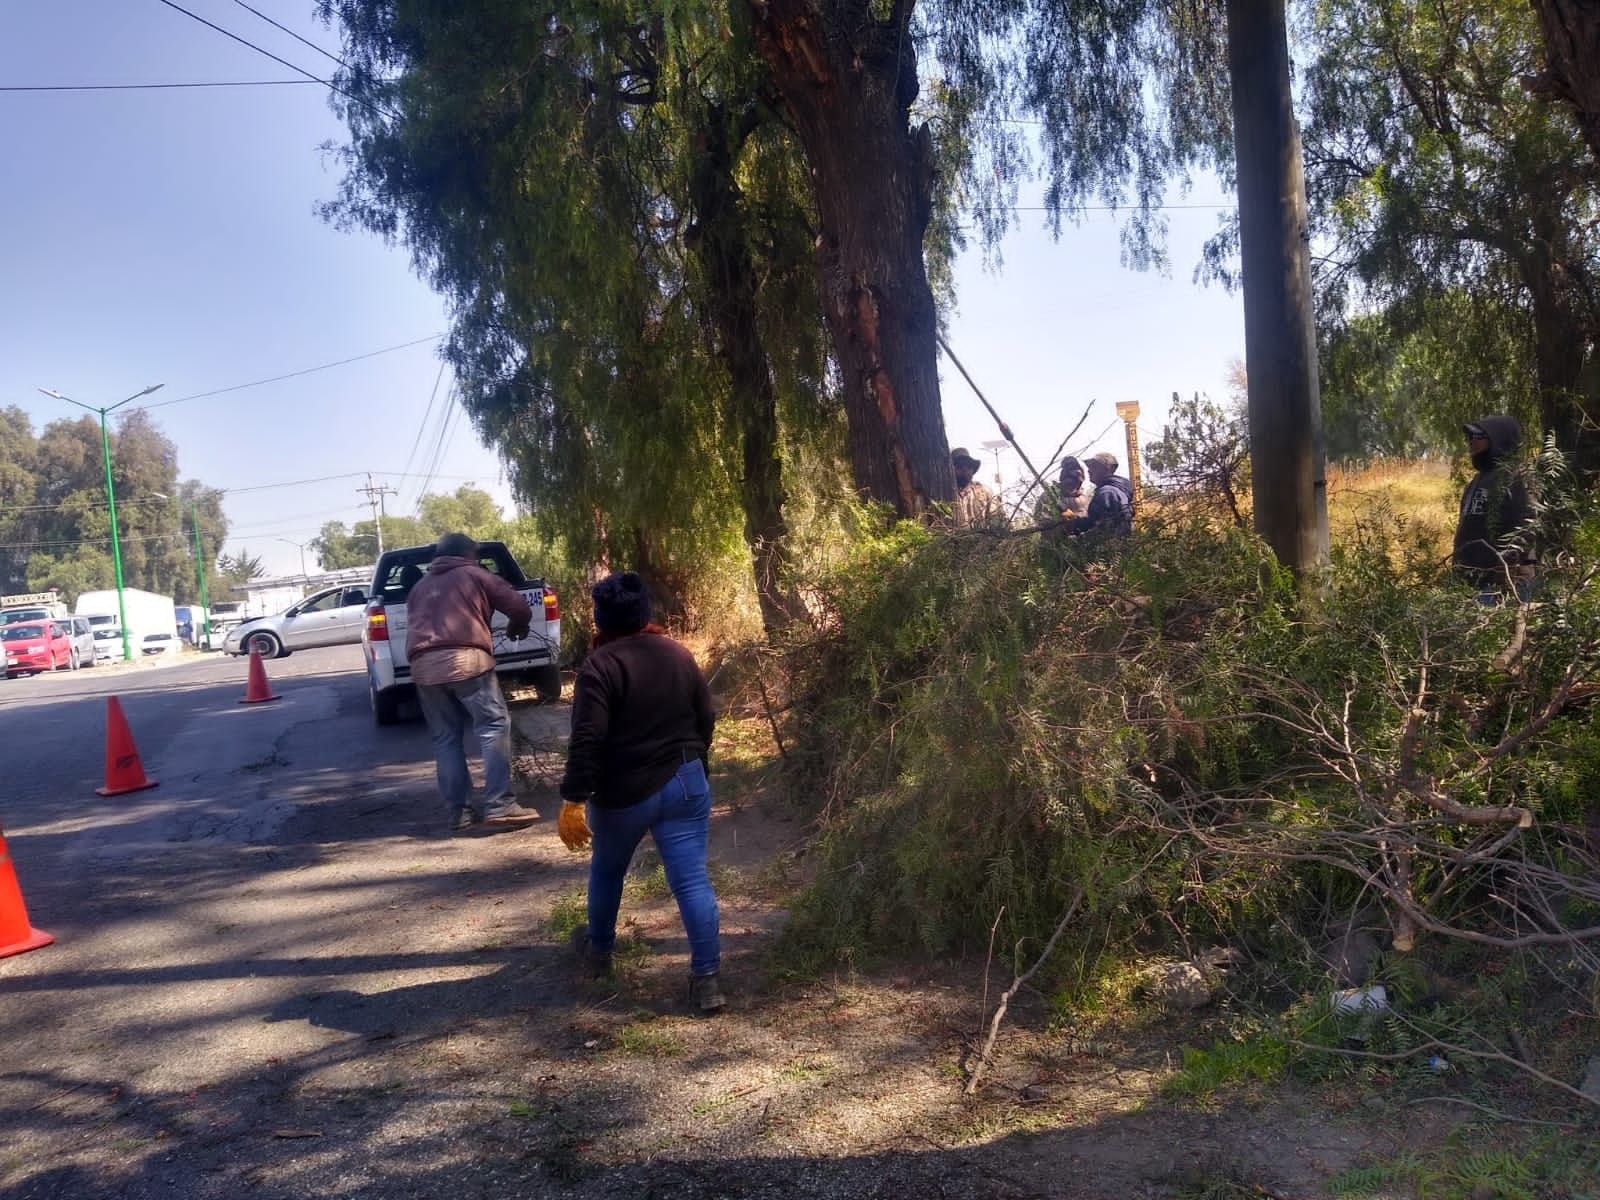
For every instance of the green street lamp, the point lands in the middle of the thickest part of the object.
(111, 501)
(199, 563)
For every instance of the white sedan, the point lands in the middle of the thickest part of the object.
(161, 643)
(332, 617)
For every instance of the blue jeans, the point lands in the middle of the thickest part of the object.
(679, 818)
(450, 709)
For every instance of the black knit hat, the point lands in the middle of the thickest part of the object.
(621, 604)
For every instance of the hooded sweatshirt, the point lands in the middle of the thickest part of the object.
(1494, 507)
(451, 607)
(1110, 508)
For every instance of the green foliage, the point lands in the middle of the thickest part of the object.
(1204, 450)
(1501, 1161)
(986, 724)
(55, 523)
(1260, 1058)
(240, 568)
(1458, 211)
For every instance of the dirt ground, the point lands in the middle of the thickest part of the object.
(364, 1008)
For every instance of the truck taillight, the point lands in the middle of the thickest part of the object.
(377, 624)
(552, 605)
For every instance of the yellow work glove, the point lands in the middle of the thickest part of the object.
(573, 825)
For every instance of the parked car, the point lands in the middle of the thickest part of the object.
(37, 646)
(82, 635)
(331, 617)
(383, 636)
(107, 642)
(161, 643)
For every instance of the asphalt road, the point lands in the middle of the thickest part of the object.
(286, 893)
(224, 769)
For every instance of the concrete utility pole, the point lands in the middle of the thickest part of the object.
(1286, 447)
(375, 494)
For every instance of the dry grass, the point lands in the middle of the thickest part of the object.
(1420, 491)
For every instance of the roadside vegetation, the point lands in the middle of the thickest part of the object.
(1382, 784)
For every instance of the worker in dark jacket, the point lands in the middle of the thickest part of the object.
(1111, 507)
(450, 647)
(636, 764)
(1493, 548)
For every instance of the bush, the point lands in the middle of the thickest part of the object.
(985, 723)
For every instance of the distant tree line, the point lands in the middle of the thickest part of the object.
(55, 524)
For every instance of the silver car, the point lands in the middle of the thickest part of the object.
(332, 617)
(82, 635)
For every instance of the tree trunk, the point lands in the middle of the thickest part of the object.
(663, 581)
(722, 246)
(1571, 30)
(1286, 454)
(847, 80)
(1559, 353)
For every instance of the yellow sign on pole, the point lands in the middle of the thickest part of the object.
(1128, 412)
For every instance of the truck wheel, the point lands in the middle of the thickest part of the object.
(547, 682)
(385, 706)
(263, 644)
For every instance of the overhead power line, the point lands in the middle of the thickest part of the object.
(154, 87)
(303, 41)
(283, 62)
(426, 413)
(239, 387)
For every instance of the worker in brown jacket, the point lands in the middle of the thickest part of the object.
(450, 646)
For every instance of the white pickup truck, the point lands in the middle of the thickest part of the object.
(383, 634)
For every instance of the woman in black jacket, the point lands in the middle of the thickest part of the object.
(636, 764)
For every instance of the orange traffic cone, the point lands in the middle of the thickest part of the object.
(124, 771)
(257, 689)
(16, 935)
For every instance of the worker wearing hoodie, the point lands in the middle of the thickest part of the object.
(1493, 545)
(1111, 507)
(450, 646)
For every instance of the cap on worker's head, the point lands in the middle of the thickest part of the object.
(960, 458)
(1473, 430)
(621, 604)
(1105, 459)
(456, 545)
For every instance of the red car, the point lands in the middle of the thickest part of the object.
(37, 646)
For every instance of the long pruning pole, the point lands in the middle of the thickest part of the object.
(1005, 430)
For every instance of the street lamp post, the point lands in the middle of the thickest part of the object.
(199, 563)
(111, 501)
(302, 548)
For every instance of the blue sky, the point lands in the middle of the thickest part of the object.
(172, 237)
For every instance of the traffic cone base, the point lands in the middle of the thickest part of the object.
(124, 771)
(16, 934)
(257, 689)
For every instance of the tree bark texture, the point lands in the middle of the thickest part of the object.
(1552, 268)
(1571, 30)
(722, 246)
(847, 80)
(1286, 451)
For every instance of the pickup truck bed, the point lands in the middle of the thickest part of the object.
(534, 659)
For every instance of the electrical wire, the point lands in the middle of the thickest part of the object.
(426, 413)
(331, 86)
(436, 456)
(153, 87)
(239, 387)
(303, 41)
